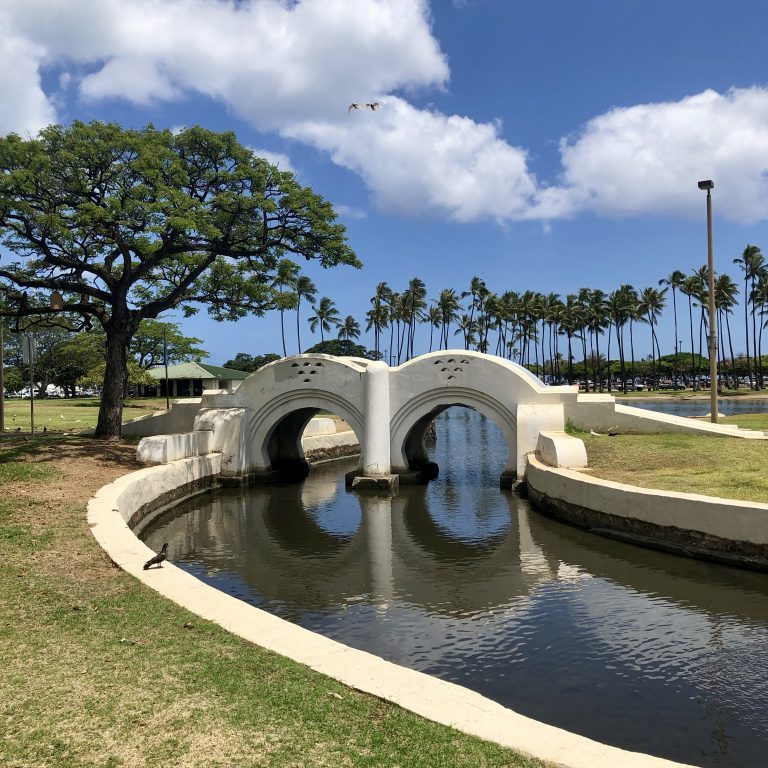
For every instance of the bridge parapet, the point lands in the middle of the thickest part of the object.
(511, 396)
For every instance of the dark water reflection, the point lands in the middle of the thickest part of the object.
(634, 648)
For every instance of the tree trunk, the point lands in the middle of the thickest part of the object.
(730, 347)
(110, 420)
(746, 325)
(758, 378)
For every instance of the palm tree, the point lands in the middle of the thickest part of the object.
(487, 318)
(674, 281)
(505, 316)
(528, 308)
(304, 289)
(726, 291)
(571, 322)
(449, 306)
(326, 316)
(378, 315)
(751, 262)
(478, 292)
(622, 305)
(701, 294)
(392, 301)
(466, 326)
(759, 298)
(597, 321)
(582, 299)
(349, 329)
(552, 306)
(414, 303)
(285, 277)
(434, 317)
(651, 304)
(690, 288)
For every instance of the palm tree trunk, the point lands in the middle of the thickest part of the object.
(298, 331)
(690, 318)
(282, 332)
(730, 348)
(746, 324)
(760, 352)
(674, 306)
(758, 380)
(702, 326)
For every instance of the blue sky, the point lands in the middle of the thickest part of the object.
(538, 144)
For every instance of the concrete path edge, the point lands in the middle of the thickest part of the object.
(437, 700)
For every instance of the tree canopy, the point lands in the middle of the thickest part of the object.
(242, 361)
(343, 348)
(125, 224)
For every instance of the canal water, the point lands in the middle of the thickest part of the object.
(728, 406)
(631, 647)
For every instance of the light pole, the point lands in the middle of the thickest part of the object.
(709, 185)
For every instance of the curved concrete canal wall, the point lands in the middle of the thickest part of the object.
(133, 496)
(722, 530)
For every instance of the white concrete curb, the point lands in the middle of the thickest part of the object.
(437, 700)
(727, 519)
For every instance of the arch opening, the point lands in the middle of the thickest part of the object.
(284, 450)
(294, 442)
(422, 457)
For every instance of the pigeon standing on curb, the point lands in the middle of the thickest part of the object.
(158, 558)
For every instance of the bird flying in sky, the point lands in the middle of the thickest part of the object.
(372, 105)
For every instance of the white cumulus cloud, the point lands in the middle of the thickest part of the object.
(271, 61)
(24, 107)
(417, 161)
(280, 159)
(293, 66)
(647, 158)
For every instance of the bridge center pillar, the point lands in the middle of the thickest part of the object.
(376, 458)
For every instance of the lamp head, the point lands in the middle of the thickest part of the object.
(708, 184)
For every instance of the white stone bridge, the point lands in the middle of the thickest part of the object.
(258, 428)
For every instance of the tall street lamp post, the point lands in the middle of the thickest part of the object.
(709, 185)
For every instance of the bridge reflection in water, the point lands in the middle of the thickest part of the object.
(628, 646)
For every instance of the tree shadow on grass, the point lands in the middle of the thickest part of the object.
(22, 447)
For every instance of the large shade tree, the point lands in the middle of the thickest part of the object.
(125, 224)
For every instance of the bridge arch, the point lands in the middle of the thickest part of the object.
(276, 428)
(518, 403)
(414, 417)
(258, 428)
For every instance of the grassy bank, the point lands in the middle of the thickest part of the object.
(98, 670)
(714, 466)
(67, 414)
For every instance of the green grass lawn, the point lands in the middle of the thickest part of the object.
(66, 414)
(728, 467)
(100, 671)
